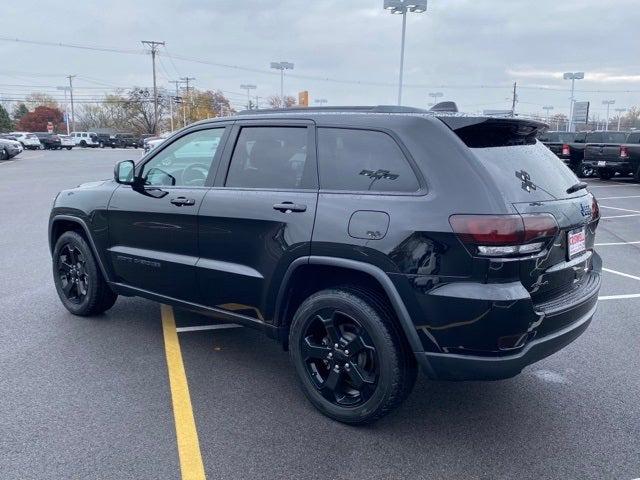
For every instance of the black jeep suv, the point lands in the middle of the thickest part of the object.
(368, 241)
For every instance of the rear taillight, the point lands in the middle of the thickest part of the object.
(504, 235)
(566, 150)
(624, 153)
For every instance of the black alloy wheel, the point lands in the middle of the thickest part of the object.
(351, 357)
(72, 273)
(78, 279)
(340, 358)
(586, 171)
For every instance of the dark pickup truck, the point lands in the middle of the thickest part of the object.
(569, 147)
(602, 153)
(629, 158)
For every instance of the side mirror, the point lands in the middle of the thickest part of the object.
(124, 172)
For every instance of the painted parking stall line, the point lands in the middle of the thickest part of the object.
(191, 465)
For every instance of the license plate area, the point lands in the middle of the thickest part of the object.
(576, 242)
(602, 163)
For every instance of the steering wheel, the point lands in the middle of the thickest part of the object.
(195, 174)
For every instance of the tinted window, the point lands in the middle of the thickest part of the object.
(560, 137)
(515, 168)
(271, 157)
(633, 138)
(362, 160)
(605, 137)
(186, 162)
(580, 137)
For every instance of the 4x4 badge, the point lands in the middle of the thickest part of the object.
(527, 184)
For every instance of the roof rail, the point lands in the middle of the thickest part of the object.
(360, 108)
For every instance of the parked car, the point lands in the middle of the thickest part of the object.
(127, 140)
(602, 152)
(152, 142)
(28, 140)
(106, 140)
(12, 139)
(9, 149)
(66, 141)
(367, 244)
(569, 147)
(85, 139)
(50, 141)
(629, 157)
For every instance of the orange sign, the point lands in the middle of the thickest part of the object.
(303, 98)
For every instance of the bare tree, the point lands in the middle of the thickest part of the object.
(276, 101)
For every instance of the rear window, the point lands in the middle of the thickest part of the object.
(559, 137)
(606, 137)
(527, 172)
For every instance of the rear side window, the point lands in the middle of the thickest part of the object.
(362, 160)
(606, 137)
(633, 138)
(272, 157)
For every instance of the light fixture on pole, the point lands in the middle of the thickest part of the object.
(608, 103)
(547, 108)
(282, 66)
(573, 76)
(620, 112)
(66, 112)
(248, 88)
(435, 96)
(401, 7)
(320, 101)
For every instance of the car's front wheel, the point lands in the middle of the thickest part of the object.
(4, 155)
(351, 358)
(79, 282)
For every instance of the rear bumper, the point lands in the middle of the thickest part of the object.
(444, 366)
(614, 166)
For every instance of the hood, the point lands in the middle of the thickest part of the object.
(96, 183)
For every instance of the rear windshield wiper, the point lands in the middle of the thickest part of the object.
(576, 187)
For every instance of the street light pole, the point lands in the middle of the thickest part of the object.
(620, 112)
(573, 76)
(546, 108)
(282, 66)
(248, 88)
(401, 7)
(608, 103)
(435, 96)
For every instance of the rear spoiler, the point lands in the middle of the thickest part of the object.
(483, 132)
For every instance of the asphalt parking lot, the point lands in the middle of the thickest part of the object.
(91, 398)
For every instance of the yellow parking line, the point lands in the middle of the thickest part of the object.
(191, 464)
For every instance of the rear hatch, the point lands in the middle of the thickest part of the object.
(534, 181)
(604, 147)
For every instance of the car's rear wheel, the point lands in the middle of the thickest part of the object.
(4, 155)
(636, 174)
(79, 282)
(605, 174)
(585, 171)
(351, 358)
(69, 148)
(83, 143)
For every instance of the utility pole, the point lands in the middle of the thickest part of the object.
(177, 83)
(514, 99)
(186, 80)
(154, 49)
(73, 116)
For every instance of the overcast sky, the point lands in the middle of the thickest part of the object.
(455, 47)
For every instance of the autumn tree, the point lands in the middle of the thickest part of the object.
(6, 125)
(276, 101)
(199, 105)
(38, 120)
(37, 99)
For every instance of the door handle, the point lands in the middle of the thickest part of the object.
(287, 207)
(183, 201)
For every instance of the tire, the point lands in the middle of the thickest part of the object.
(605, 174)
(85, 291)
(636, 175)
(69, 148)
(382, 357)
(83, 144)
(585, 171)
(3, 154)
